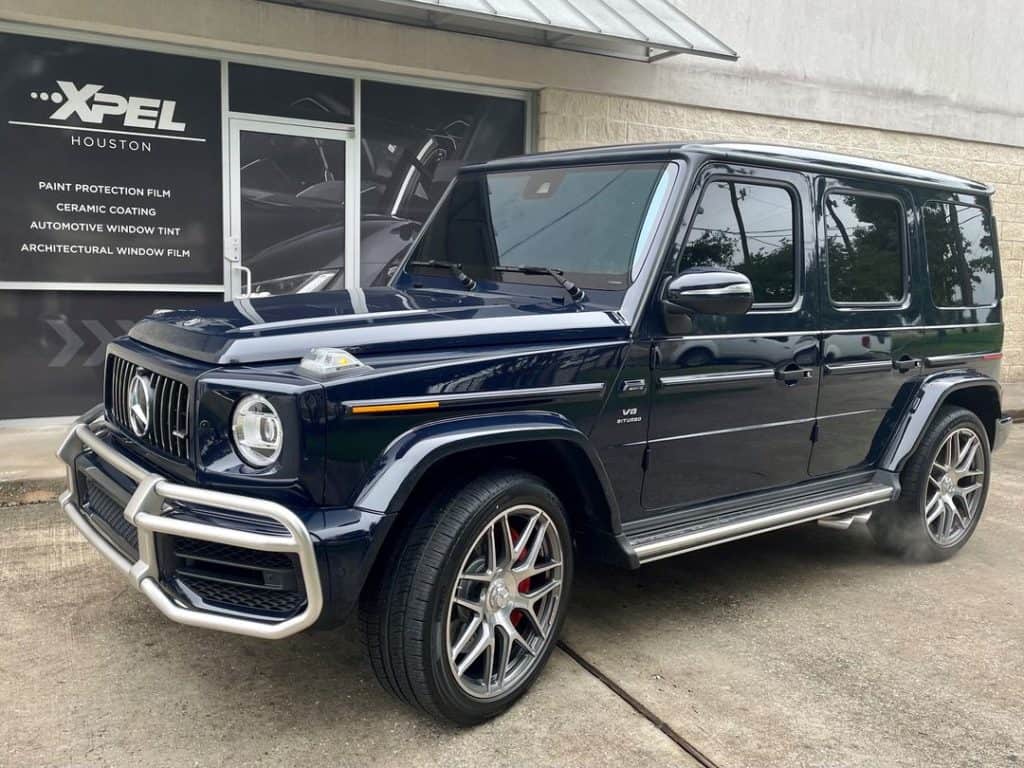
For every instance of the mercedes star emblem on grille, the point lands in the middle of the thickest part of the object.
(140, 405)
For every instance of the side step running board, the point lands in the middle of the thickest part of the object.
(648, 548)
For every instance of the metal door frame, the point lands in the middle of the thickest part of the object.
(234, 285)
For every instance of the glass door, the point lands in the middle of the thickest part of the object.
(289, 185)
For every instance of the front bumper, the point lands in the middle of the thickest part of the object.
(146, 511)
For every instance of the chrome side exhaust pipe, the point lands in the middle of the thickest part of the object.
(843, 522)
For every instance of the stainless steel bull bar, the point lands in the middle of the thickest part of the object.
(145, 511)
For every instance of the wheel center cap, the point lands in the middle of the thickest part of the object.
(498, 595)
(946, 485)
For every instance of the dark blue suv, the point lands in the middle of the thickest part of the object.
(623, 353)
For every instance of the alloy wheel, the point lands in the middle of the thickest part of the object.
(955, 484)
(504, 604)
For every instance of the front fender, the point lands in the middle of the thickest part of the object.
(409, 456)
(932, 394)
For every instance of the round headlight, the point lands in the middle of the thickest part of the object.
(257, 431)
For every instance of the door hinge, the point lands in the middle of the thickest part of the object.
(646, 458)
(815, 433)
(233, 249)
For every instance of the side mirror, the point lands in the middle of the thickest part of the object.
(709, 291)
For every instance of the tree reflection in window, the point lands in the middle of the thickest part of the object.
(748, 228)
(864, 234)
(961, 262)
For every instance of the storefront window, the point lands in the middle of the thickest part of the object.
(413, 142)
(121, 195)
(288, 93)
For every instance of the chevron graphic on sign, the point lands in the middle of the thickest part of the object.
(93, 340)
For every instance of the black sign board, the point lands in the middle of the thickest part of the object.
(112, 165)
(55, 344)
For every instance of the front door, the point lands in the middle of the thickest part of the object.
(734, 398)
(289, 185)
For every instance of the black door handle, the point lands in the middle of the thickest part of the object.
(791, 373)
(905, 364)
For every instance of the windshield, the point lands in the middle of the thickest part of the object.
(586, 222)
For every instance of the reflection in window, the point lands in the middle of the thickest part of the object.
(748, 228)
(292, 210)
(864, 235)
(303, 166)
(287, 93)
(413, 142)
(961, 264)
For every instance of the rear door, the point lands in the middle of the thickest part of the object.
(733, 402)
(869, 253)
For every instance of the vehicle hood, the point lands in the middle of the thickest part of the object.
(369, 322)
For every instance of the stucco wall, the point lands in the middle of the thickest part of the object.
(939, 67)
(573, 119)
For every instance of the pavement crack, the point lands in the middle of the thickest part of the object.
(682, 742)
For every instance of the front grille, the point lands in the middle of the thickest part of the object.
(101, 504)
(238, 579)
(168, 417)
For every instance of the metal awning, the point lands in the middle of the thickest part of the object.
(639, 30)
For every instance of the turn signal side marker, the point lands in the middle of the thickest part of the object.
(393, 407)
(993, 356)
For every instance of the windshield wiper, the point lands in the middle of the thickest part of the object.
(456, 269)
(574, 291)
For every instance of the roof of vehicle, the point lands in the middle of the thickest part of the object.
(790, 157)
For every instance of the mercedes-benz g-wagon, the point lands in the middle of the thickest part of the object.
(623, 353)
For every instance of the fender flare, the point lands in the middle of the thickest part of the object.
(929, 398)
(410, 456)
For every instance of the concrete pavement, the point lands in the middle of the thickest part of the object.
(91, 674)
(800, 648)
(806, 647)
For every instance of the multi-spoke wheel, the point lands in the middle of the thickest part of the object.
(465, 613)
(944, 488)
(955, 485)
(504, 602)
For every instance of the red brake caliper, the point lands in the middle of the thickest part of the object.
(524, 585)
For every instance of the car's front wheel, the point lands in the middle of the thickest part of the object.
(464, 615)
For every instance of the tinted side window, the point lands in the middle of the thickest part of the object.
(961, 262)
(749, 228)
(864, 236)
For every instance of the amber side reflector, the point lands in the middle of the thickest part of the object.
(993, 356)
(392, 407)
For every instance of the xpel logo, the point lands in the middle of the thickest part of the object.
(90, 104)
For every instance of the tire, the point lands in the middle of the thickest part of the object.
(921, 525)
(443, 578)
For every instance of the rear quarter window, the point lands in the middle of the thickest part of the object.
(961, 256)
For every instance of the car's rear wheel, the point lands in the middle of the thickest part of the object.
(945, 484)
(464, 615)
